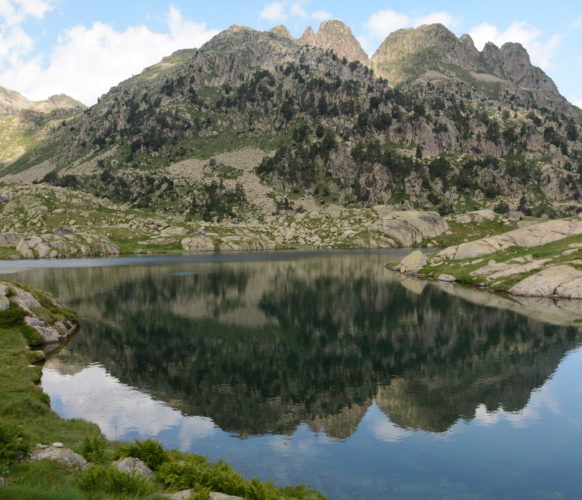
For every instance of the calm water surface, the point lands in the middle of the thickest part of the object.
(326, 369)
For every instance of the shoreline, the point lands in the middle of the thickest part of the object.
(80, 461)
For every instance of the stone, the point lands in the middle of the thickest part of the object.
(174, 231)
(447, 278)
(64, 230)
(4, 300)
(58, 445)
(222, 496)
(62, 455)
(413, 262)
(198, 244)
(180, 495)
(515, 215)
(412, 226)
(10, 240)
(554, 281)
(134, 467)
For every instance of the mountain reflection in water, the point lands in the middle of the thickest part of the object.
(325, 346)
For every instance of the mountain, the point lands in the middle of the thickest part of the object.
(11, 103)
(23, 123)
(282, 123)
(338, 37)
(432, 52)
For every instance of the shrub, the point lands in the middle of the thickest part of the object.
(107, 479)
(14, 314)
(94, 449)
(12, 445)
(149, 451)
(501, 208)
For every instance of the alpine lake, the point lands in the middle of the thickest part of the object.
(324, 368)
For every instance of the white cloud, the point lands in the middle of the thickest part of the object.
(274, 12)
(321, 15)
(119, 410)
(297, 10)
(388, 432)
(14, 41)
(14, 12)
(279, 12)
(579, 104)
(380, 24)
(541, 52)
(88, 61)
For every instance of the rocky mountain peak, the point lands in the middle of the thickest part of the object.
(468, 42)
(515, 61)
(337, 36)
(12, 102)
(308, 36)
(406, 54)
(282, 30)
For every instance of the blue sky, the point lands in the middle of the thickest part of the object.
(82, 47)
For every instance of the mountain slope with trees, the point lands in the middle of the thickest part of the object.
(326, 128)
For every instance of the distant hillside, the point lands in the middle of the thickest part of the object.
(23, 123)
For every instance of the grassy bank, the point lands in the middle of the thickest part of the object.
(26, 419)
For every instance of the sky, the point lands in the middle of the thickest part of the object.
(83, 47)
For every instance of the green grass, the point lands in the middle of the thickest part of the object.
(26, 419)
(461, 233)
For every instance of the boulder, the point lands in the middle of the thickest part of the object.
(62, 455)
(134, 467)
(412, 226)
(10, 239)
(174, 231)
(64, 230)
(515, 215)
(4, 300)
(246, 243)
(446, 277)
(180, 495)
(413, 262)
(561, 281)
(223, 496)
(198, 244)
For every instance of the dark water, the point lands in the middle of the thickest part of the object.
(325, 369)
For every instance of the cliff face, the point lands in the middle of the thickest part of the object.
(338, 37)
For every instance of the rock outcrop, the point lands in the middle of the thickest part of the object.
(338, 37)
(410, 227)
(43, 313)
(59, 454)
(55, 246)
(540, 260)
(560, 281)
(413, 262)
(134, 467)
(530, 236)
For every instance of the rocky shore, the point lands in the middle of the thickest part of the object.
(540, 260)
